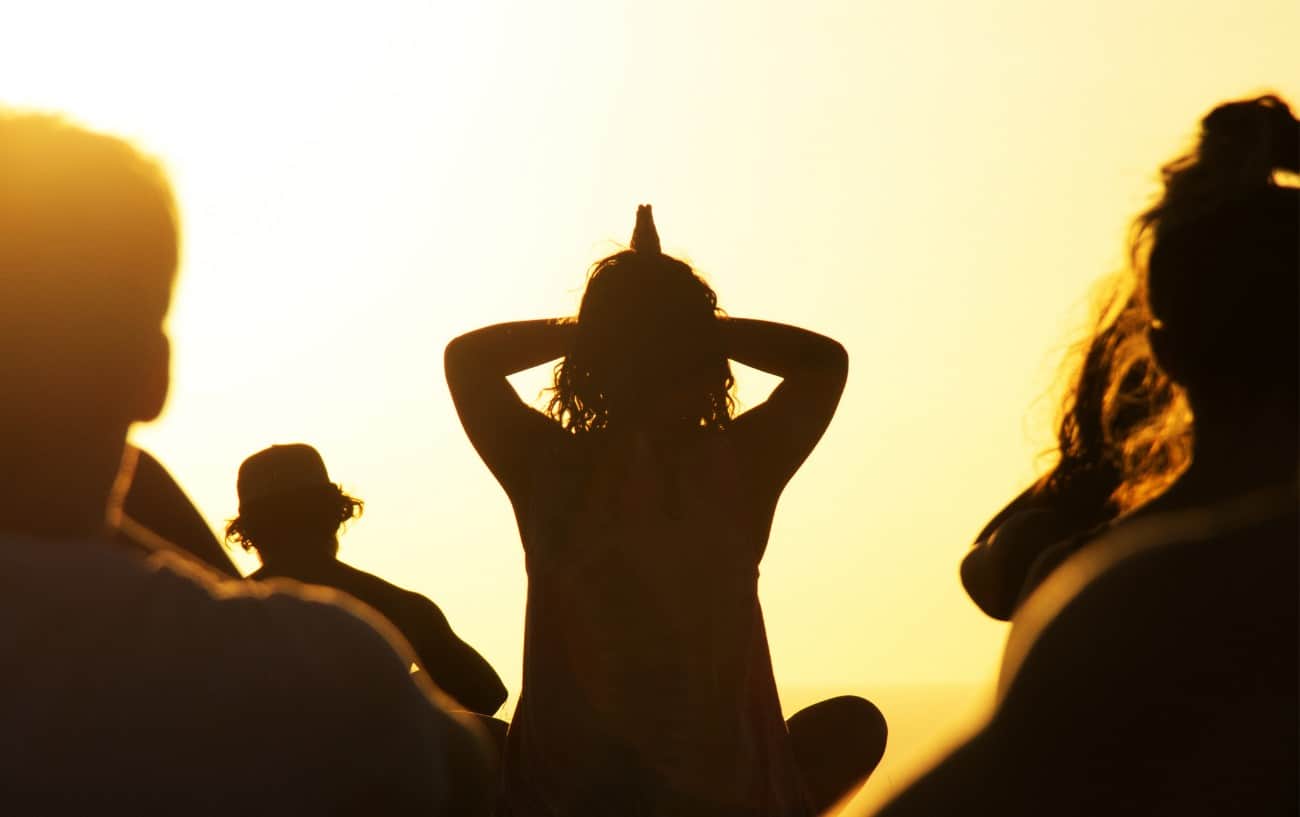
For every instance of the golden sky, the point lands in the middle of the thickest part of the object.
(936, 185)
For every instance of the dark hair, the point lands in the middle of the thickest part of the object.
(291, 517)
(1221, 254)
(644, 318)
(1124, 431)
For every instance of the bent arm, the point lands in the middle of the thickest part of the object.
(996, 571)
(502, 428)
(813, 368)
(783, 350)
(471, 680)
(1001, 568)
(986, 573)
(454, 666)
(419, 754)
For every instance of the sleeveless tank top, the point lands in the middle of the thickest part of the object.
(648, 686)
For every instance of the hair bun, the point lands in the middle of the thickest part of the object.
(1252, 138)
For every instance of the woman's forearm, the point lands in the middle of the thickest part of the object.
(780, 349)
(505, 348)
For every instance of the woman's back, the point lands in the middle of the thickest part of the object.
(646, 656)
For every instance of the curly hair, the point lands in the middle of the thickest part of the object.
(647, 322)
(289, 516)
(1124, 429)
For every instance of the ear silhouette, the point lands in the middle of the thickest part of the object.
(1163, 350)
(154, 379)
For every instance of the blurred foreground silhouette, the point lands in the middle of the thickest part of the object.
(132, 682)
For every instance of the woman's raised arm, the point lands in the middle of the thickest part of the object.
(504, 430)
(779, 434)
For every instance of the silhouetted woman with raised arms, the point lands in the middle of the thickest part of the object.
(644, 508)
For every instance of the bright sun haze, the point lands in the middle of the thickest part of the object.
(936, 185)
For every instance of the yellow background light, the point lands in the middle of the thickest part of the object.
(936, 185)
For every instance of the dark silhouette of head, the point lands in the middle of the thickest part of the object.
(647, 352)
(1223, 266)
(88, 256)
(289, 511)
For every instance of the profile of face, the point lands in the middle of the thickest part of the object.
(89, 256)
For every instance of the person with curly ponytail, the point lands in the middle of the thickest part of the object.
(1154, 670)
(1123, 437)
(290, 514)
(644, 507)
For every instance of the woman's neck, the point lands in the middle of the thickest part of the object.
(299, 556)
(656, 429)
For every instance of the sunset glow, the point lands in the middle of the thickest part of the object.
(936, 185)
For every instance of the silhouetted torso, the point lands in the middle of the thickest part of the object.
(1165, 684)
(134, 686)
(648, 687)
(453, 665)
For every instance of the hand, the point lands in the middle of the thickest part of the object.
(645, 238)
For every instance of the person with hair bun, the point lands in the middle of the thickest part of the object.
(290, 513)
(644, 507)
(1154, 670)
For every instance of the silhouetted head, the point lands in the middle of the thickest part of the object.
(88, 256)
(289, 511)
(1223, 265)
(647, 352)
